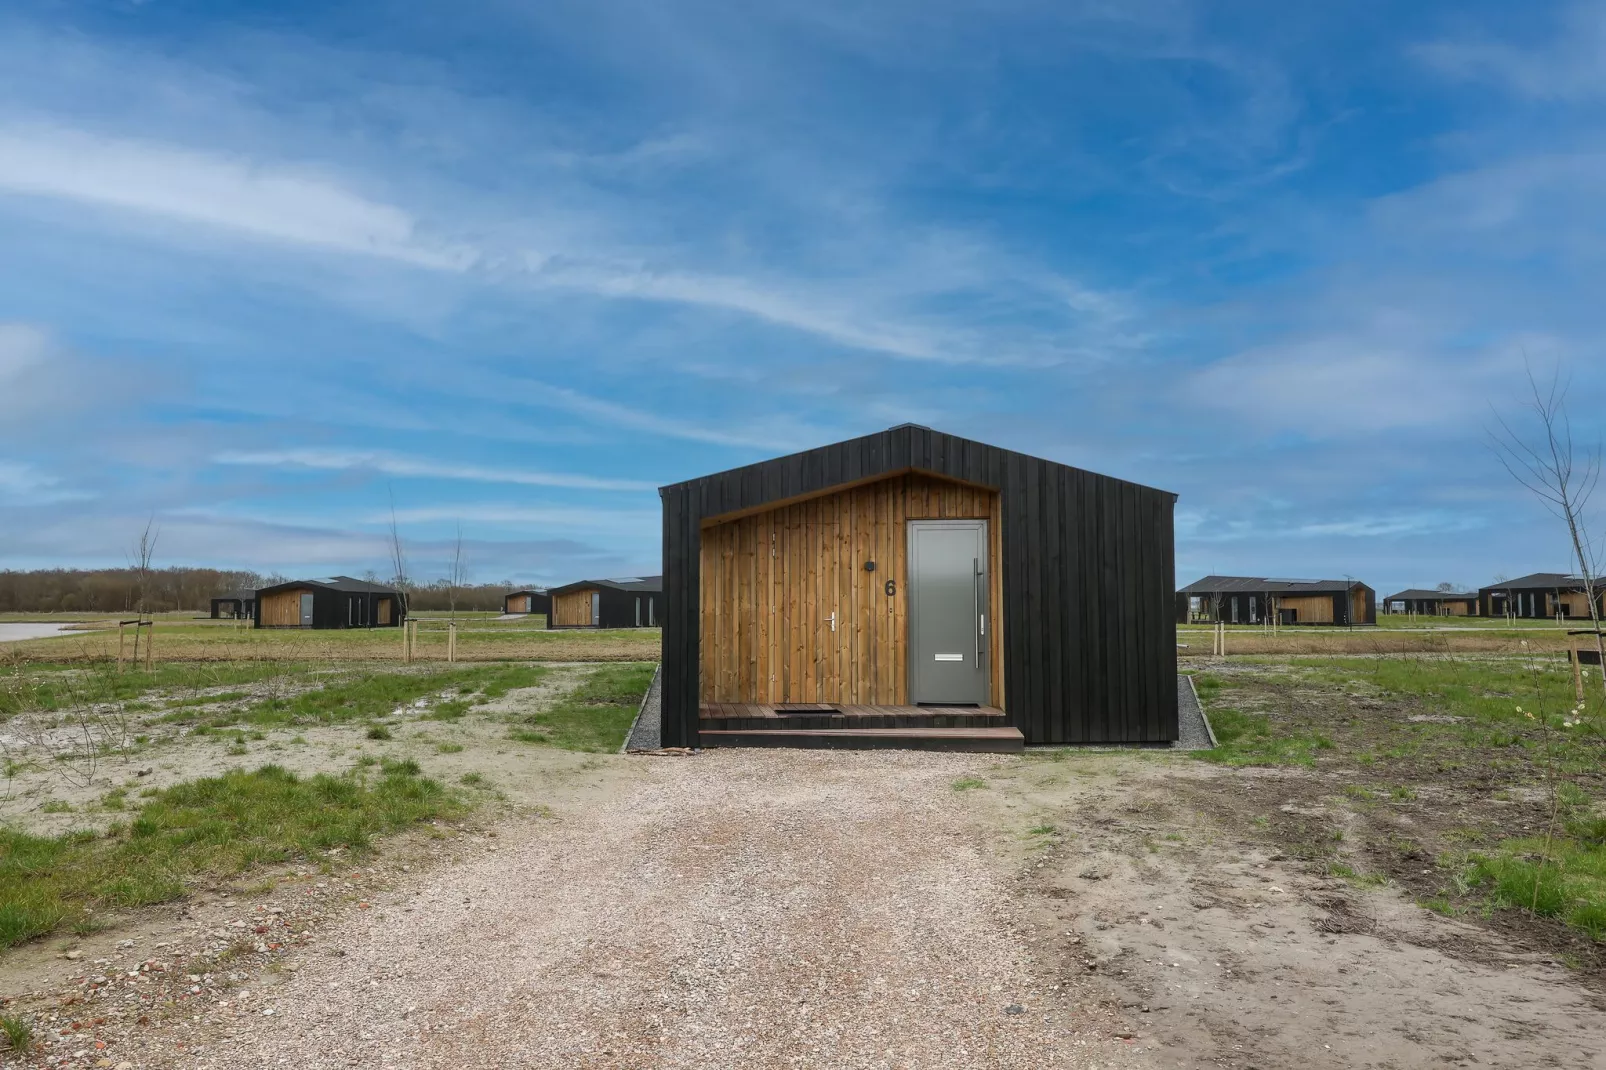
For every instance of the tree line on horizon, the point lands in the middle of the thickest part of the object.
(176, 589)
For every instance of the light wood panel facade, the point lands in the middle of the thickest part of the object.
(771, 580)
(1312, 609)
(518, 604)
(573, 608)
(281, 609)
(382, 611)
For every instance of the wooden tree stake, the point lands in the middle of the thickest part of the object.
(120, 639)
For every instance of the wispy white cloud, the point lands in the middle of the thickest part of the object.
(270, 202)
(390, 464)
(639, 521)
(773, 434)
(1567, 66)
(23, 484)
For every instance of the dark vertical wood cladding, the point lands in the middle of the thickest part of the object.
(1088, 580)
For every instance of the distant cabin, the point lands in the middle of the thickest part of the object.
(527, 602)
(1541, 595)
(231, 605)
(1257, 600)
(336, 602)
(1433, 603)
(637, 602)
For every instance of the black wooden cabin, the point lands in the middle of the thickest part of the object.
(1540, 595)
(636, 602)
(336, 602)
(914, 588)
(527, 602)
(231, 605)
(1433, 603)
(1260, 600)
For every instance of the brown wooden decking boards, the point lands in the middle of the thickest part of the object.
(983, 740)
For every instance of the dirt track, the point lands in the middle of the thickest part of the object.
(798, 909)
(730, 910)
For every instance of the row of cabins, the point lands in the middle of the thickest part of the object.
(1258, 600)
(912, 588)
(343, 602)
(1540, 596)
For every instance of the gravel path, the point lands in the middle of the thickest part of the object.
(647, 731)
(1193, 729)
(749, 909)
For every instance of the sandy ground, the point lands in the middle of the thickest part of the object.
(1235, 956)
(808, 909)
(47, 797)
(738, 909)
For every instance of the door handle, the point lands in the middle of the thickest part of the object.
(832, 619)
(975, 604)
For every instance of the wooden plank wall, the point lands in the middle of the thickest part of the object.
(1357, 606)
(1310, 609)
(282, 609)
(770, 582)
(572, 609)
(521, 604)
(382, 611)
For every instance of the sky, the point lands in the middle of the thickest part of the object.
(273, 273)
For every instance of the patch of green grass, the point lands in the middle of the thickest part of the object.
(212, 828)
(378, 731)
(1403, 793)
(527, 735)
(1252, 739)
(1440, 904)
(449, 748)
(1570, 884)
(56, 806)
(968, 783)
(18, 1032)
(450, 710)
(596, 715)
(49, 687)
(472, 779)
(377, 694)
(1042, 830)
(116, 799)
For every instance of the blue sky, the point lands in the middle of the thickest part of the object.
(267, 268)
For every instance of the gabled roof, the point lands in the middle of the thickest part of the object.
(905, 448)
(642, 584)
(336, 583)
(1264, 585)
(1544, 581)
(1415, 595)
(532, 590)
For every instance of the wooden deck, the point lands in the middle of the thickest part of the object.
(994, 740)
(857, 727)
(717, 716)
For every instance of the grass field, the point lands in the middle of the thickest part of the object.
(1491, 637)
(123, 790)
(223, 641)
(1487, 767)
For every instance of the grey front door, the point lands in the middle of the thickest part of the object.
(306, 611)
(948, 623)
(596, 608)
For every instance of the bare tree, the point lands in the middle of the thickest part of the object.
(140, 556)
(1546, 461)
(1447, 588)
(459, 574)
(398, 554)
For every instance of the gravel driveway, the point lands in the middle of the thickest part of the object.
(735, 909)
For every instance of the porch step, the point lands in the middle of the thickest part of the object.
(988, 740)
(827, 718)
